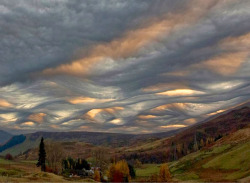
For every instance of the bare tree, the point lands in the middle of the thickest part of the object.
(101, 158)
(55, 154)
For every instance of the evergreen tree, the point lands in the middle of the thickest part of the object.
(42, 156)
(131, 171)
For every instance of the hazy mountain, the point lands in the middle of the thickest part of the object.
(22, 143)
(4, 136)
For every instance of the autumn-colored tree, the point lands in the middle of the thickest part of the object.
(118, 177)
(164, 174)
(97, 176)
(8, 156)
(119, 172)
(137, 163)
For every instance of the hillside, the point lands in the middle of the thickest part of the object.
(189, 140)
(4, 136)
(18, 139)
(227, 160)
(95, 138)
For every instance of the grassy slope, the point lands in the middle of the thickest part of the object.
(26, 171)
(144, 146)
(20, 148)
(226, 162)
(147, 170)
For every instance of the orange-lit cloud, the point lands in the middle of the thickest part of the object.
(146, 116)
(54, 126)
(38, 117)
(8, 117)
(134, 40)
(5, 103)
(28, 123)
(225, 64)
(190, 121)
(216, 112)
(180, 73)
(93, 112)
(173, 126)
(117, 121)
(236, 53)
(181, 92)
(79, 100)
(241, 43)
(162, 86)
(169, 106)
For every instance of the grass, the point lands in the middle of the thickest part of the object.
(235, 159)
(188, 176)
(146, 146)
(26, 171)
(225, 162)
(147, 170)
(20, 148)
(5, 162)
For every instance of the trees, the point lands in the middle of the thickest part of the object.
(42, 156)
(97, 176)
(131, 171)
(164, 174)
(8, 156)
(54, 155)
(119, 172)
(100, 158)
(78, 164)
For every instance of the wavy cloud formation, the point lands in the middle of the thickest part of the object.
(121, 66)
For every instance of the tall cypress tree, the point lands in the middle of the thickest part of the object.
(42, 156)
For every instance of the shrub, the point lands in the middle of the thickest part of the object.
(8, 156)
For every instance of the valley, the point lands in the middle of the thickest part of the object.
(219, 151)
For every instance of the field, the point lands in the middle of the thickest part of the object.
(222, 162)
(26, 171)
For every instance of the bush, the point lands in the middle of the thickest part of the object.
(8, 156)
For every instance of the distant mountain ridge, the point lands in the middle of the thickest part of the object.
(96, 138)
(4, 136)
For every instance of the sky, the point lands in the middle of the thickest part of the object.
(121, 66)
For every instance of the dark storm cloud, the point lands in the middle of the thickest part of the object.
(163, 65)
(40, 34)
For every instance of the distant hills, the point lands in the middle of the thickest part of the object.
(21, 143)
(155, 148)
(190, 139)
(4, 136)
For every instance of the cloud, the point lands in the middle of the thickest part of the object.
(121, 66)
(132, 41)
(4, 103)
(39, 117)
